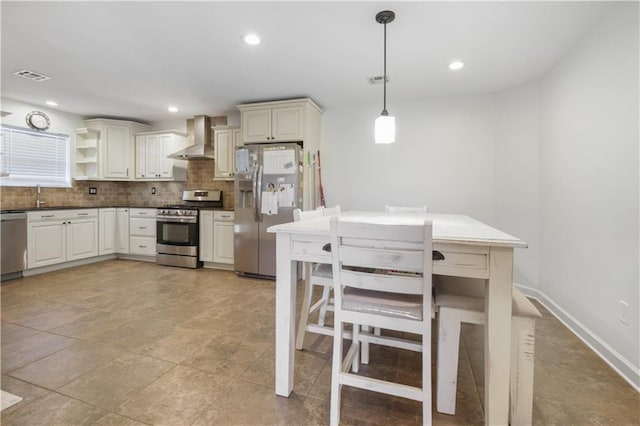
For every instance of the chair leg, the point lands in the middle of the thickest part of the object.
(448, 346)
(306, 305)
(355, 366)
(326, 293)
(521, 380)
(336, 369)
(364, 351)
(426, 375)
(364, 348)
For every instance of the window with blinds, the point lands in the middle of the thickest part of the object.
(28, 158)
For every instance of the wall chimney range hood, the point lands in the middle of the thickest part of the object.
(201, 135)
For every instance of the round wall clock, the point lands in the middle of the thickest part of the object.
(38, 120)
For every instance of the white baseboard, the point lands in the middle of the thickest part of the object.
(619, 363)
(65, 265)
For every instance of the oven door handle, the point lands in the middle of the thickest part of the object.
(172, 219)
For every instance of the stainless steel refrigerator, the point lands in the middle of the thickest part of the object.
(268, 187)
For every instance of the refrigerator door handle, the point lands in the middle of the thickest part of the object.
(259, 194)
(254, 179)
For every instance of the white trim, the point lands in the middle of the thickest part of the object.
(65, 265)
(613, 358)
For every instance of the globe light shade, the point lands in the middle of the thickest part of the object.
(385, 129)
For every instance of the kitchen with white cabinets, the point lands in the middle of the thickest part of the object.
(523, 115)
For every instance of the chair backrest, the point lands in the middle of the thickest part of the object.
(393, 258)
(409, 210)
(299, 215)
(331, 211)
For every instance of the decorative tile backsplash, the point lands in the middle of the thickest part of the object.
(199, 176)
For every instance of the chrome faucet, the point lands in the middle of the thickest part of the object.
(39, 202)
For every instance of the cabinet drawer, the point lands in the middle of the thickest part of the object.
(44, 215)
(61, 214)
(310, 248)
(142, 227)
(142, 212)
(462, 260)
(223, 216)
(85, 213)
(145, 246)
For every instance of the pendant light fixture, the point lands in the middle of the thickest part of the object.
(385, 128)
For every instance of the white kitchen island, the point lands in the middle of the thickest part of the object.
(470, 248)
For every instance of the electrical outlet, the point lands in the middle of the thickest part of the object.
(153, 190)
(624, 312)
(93, 190)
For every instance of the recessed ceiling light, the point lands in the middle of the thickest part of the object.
(456, 65)
(52, 103)
(173, 109)
(251, 39)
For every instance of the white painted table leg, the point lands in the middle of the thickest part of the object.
(285, 314)
(497, 336)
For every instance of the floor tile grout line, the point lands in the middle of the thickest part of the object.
(50, 391)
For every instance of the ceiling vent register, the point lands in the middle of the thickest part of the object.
(378, 79)
(32, 75)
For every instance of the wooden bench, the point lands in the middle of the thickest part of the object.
(453, 310)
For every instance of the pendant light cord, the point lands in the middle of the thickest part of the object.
(384, 75)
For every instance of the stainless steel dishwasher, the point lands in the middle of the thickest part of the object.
(13, 244)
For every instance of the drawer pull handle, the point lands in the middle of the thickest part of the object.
(48, 215)
(142, 227)
(142, 246)
(83, 214)
(464, 264)
(436, 255)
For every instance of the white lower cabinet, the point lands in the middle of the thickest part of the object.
(216, 236)
(142, 231)
(107, 231)
(205, 244)
(56, 236)
(46, 243)
(223, 237)
(82, 238)
(122, 230)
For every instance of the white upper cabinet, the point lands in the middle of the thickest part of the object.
(224, 143)
(287, 124)
(115, 149)
(152, 149)
(280, 121)
(117, 159)
(293, 120)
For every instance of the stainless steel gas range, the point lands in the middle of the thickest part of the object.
(178, 230)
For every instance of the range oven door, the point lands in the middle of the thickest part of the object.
(177, 231)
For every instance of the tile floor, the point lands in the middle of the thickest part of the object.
(128, 343)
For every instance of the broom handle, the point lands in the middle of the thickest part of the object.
(322, 203)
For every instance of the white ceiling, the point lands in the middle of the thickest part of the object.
(133, 59)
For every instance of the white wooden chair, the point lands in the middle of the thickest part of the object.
(315, 274)
(454, 310)
(389, 210)
(403, 210)
(382, 278)
(331, 211)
